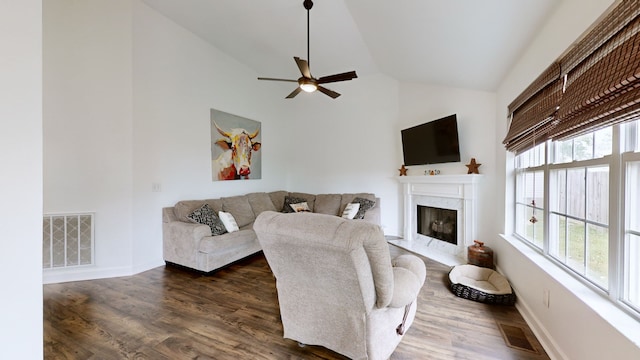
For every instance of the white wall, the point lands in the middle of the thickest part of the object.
(476, 114)
(569, 328)
(177, 79)
(88, 123)
(345, 145)
(21, 179)
(147, 86)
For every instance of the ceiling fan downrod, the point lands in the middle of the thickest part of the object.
(308, 4)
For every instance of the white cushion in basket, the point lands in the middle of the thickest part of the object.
(480, 278)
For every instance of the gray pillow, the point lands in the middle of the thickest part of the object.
(288, 200)
(207, 216)
(365, 205)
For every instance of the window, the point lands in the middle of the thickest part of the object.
(530, 206)
(582, 113)
(585, 178)
(631, 245)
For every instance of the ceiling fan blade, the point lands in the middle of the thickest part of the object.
(294, 93)
(326, 91)
(274, 79)
(303, 65)
(337, 77)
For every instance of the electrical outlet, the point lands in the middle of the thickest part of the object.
(546, 295)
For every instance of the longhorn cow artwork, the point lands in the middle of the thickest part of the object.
(235, 145)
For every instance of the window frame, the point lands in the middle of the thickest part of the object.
(618, 254)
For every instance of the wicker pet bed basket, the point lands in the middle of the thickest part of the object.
(480, 284)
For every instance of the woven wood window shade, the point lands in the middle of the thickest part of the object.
(603, 75)
(533, 111)
(602, 87)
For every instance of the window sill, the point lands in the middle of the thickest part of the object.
(622, 321)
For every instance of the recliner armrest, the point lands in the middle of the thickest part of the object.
(413, 264)
(409, 273)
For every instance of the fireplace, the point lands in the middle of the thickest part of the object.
(440, 216)
(438, 223)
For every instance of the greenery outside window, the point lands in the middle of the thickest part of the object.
(565, 194)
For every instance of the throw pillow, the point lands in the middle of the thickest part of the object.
(300, 207)
(228, 221)
(207, 216)
(350, 211)
(288, 200)
(365, 204)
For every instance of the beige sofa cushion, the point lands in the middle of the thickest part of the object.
(260, 202)
(328, 204)
(240, 208)
(184, 208)
(277, 198)
(227, 242)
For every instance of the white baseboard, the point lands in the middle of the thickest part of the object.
(54, 276)
(137, 269)
(547, 342)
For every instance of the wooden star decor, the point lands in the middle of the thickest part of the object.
(403, 171)
(473, 167)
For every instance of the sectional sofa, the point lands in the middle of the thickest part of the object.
(190, 244)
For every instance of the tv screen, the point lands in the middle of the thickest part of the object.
(434, 142)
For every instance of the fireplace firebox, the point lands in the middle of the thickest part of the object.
(438, 223)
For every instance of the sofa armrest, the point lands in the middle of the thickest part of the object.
(409, 273)
(183, 230)
(181, 240)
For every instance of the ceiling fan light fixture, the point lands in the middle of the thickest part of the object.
(307, 85)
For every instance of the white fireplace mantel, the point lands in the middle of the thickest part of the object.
(455, 192)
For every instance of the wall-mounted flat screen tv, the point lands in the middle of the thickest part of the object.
(434, 142)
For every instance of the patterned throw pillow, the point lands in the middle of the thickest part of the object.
(350, 211)
(365, 205)
(300, 207)
(288, 200)
(205, 215)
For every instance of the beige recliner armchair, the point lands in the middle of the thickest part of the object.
(337, 285)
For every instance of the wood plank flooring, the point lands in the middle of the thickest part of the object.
(170, 313)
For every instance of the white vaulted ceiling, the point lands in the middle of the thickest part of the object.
(469, 44)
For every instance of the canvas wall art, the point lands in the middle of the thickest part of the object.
(235, 147)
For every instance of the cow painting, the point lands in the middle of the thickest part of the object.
(237, 145)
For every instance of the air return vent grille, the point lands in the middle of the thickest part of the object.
(67, 240)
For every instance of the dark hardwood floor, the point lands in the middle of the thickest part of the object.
(170, 313)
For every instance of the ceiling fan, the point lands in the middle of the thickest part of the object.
(307, 82)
